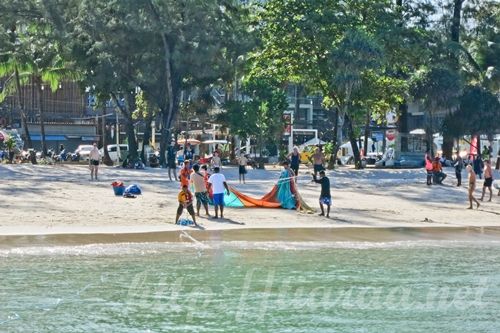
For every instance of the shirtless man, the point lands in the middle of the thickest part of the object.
(488, 179)
(472, 187)
(318, 161)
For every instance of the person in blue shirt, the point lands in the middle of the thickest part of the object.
(325, 197)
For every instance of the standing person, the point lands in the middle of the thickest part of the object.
(242, 167)
(185, 201)
(294, 157)
(216, 161)
(478, 166)
(171, 161)
(488, 179)
(324, 198)
(94, 158)
(206, 176)
(459, 164)
(318, 161)
(437, 170)
(184, 174)
(188, 152)
(428, 168)
(200, 189)
(218, 183)
(472, 187)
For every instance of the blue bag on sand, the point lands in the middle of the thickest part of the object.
(185, 221)
(133, 189)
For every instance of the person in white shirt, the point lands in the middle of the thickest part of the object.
(217, 182)
(94, 158)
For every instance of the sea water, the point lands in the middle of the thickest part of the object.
(434, 286)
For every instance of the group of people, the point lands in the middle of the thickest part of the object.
(477, 168)
(207, 188)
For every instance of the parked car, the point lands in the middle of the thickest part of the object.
(83, 151)
(113, 154)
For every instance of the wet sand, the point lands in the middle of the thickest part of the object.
(473, 234)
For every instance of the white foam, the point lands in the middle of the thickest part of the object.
(119, 249)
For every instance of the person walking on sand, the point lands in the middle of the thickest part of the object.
(242, 167)
(488, 179)
(94, 158)
(185, 199)
(318, 161)
(171, 161)
(472, 187)
(200, 190)
(218, 183)
(428, 168)
(294, 157)
(459, 164)
(324, 198)
(184, 174)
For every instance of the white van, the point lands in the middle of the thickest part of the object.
(113, 152)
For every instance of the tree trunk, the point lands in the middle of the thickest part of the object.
(354, 142)
(455, 37)
(367, 131)
(24, 119)
(106, 159)
(38, 83)
(403, 125)
(335, 148)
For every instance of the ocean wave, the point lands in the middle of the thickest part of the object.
(118, 249)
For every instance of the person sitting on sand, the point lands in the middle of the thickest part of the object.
(488, 179)
(472, 187)
(185, 201)
(437, 170)
(324, 198)
(200, 190)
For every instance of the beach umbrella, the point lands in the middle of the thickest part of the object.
(192, 142)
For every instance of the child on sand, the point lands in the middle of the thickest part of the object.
(472, 187)
(185, 201)
(325, 197)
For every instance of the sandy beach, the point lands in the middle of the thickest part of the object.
(61, 199)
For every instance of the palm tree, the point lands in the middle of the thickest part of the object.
(17, 72)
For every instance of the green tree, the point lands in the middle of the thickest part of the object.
(437, 89)
(35, 52)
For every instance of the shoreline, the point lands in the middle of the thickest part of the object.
(294, 234)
